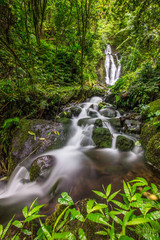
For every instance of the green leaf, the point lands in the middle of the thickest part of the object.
(32, 217)
(81, 234)
(98, 207)
(141, 180)
(66, 199)
(33, 204)
(35, 209)
(153, 215)
(27, 232)
(116, 219)
(103, 233)
(137, 221)
(108, 190)
(126, 190)
(100, 194)
(98, 218)
(64, 235)
(119, 204)
(127, 216)
(17, 224)
(45, 231)
(125, 238)
(90, 205)
(154, 188)
(77, 215)
(15, 237)
(112, 196)
(6, 228)
(33, 134)
(25, 211)
(1, 229)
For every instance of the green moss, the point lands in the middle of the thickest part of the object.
(34, 172)
(154, 106)
(153, 151)
(124, 144)
(148, 131)
(102, 137)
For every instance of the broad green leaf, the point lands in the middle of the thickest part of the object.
(112, 196)
(77, 215)
(98, 218)
(4, 178)
(27, 232)
(108, 190)
(100, 194)
(116, 219)
(126, 190)
(32, 217)
(17, 224)
(119, 204)
(59, 217)
(90, 205)
(82, 235)
(64, 235)
(98, 207)
(33, 134)
(66, 199)
(45, 231)
(34, 204)
(137, 221)
(7, 227)
(127, 217)
(142, 180)
(25, 211)
(103, 233)
(15, 237)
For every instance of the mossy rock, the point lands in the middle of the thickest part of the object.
(65, 114)
(76, 111)
(98, 123)
(92, 113)
(153, 151)
(85, 121)
(115, 122)
(41, 167)
(148, 131)
(154, 106)
(102, 137)
(124, 144)
(73, 226)
(108, 112)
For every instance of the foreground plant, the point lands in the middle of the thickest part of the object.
(137, 214)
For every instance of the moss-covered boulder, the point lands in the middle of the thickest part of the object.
(154, 106)
(98, 123)
(85, 121)
(148, 131)
(108, 112)
(41, 167)
(73, 226)
(153, 151)
(132, 126)
(124, 144)
(34, 137)
(76, 111)
(102, 137)
(92, 113)
(116, 123)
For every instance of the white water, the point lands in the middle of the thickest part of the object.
(112, 66)
(76, 164)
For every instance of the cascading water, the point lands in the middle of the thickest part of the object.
(79, 166)
(112, 66)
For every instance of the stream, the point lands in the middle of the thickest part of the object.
(78, 168)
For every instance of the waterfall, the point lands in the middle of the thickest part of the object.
(112, 66)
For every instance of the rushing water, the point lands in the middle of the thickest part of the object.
(79, 167)
(112, 66)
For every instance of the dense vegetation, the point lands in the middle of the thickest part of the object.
(52, 52)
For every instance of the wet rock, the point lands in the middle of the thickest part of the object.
(153, 151)
(115, 122)
(34, 137)
(98, 123)
(108, 112)
(132, 126)
(85, 121)
(41, 167)
(92, 113)
(148, 131)
(76, 111)
(103, 105)
(124, 144)
(102, 137)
